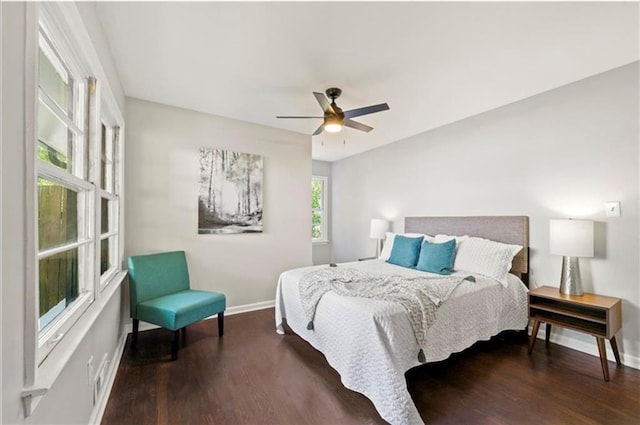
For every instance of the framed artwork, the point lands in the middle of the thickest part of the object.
(230, 192)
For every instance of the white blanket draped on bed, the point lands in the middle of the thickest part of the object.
(420, 296)
(371, 343)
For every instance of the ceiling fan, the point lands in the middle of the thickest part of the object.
(335, 118)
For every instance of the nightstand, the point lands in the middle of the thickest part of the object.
(597, 315)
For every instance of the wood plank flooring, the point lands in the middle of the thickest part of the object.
(254, 376)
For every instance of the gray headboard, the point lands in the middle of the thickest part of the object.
(505, 229)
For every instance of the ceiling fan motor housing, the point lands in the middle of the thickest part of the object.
(333, 93)
(336, 109)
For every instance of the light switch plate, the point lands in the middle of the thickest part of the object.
(612, 209)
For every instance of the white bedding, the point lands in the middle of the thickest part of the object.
(371, 343)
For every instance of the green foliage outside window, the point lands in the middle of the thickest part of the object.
(52, 156)
(316, 195)
(316, 225)
(316, 209)
(57, 226)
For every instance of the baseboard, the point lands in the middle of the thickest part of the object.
(589, 348)
(101, 405)
(249, 307)
(228, 312)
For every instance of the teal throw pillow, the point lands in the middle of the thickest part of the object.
(405, 251)
(437, 257)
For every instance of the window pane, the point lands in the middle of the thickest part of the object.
(104, 255)
(58, 284)
(57, 214)
(108, 143)
(111, 159)
(316, 225)
(54, 82)
(104, 215)
(103, 159)
(316, 218)
(316, 194)
(54, 139)
(316, 232)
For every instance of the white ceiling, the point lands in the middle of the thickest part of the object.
(433, 63)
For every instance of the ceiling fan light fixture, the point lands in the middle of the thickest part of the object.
(332, 125)
(332, 128)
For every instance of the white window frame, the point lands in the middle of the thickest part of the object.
(324, 229)
(65, 29)
(111, 193)
(76, 179)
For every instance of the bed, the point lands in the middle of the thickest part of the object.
(370, 342)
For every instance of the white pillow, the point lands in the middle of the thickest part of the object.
(447, 238)
(485, 257)
(388, 242)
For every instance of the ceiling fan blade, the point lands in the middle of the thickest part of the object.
(357, 125)
(295, 117)
(324, 103)
(366, 110)
(319, 130)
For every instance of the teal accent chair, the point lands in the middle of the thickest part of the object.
(160, 294)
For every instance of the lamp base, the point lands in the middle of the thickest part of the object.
(570, 281)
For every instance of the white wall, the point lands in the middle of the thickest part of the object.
(13, 199)
(161, 202)
(562, 153)
(87, 10)
(322, 251)
(69, 400)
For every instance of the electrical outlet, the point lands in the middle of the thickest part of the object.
(612, 209)
(90, 370)
(99, 378)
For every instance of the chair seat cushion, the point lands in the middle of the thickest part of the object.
(175, 311)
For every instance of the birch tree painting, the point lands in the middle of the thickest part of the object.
(230, 193)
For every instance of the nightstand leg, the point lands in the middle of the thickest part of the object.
(547, 334)
(614, 347)
(603, 358)
(534, 334)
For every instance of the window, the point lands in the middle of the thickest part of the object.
(109, 201)
(319, 218)
(64, 197)
(77, 191)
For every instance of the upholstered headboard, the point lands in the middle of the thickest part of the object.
(505, 229)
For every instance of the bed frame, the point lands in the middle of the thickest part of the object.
(505, 229)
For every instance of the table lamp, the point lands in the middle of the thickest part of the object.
(572, 239)
(377, 231)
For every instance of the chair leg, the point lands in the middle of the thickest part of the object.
(221, 323)
(184, 336)
(134, 336)
(174, 344)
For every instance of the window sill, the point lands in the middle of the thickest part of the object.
(320, 242)
(48, 372)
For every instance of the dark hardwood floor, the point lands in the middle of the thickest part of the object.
(254, 376)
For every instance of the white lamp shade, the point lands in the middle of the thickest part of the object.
(571, 238)
(378, 228)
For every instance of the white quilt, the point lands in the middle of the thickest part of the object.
(371, 343)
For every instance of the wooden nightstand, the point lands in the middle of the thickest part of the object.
(597, 315)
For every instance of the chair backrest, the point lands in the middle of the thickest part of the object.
(154, 275)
